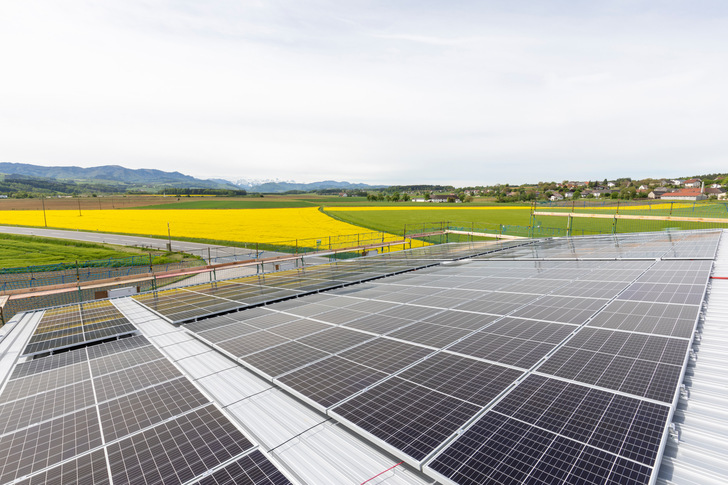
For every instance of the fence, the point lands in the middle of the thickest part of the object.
(311, 245)
(703, 208)
(152, 276)
(576, 219)
(35, 276)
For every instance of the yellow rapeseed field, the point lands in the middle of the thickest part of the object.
(243, 225)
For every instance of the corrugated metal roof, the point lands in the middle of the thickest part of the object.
(701, 423)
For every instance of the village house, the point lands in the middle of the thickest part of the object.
(720, 193)
(692, 183)
(658, 193)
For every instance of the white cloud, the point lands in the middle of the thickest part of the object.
(369, 92)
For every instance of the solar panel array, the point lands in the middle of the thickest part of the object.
(119, 412)
(198, 301)
(73, 325)
(546, 362)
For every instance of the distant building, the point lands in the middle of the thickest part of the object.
(444, 197)
(556, 197)
(692, 183)
(685, 194)
(658, 193)
(716, 191)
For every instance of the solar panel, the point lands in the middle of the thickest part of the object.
(331, 380)
(563, 432)
(72, 325)
(129, 379)
(335, 339)
(58, 412)
(252, 469)
(43, 406)
(412, 419)
(176, 451)
(386, 355)
(197, 301)
(645, 317)
(44, 381)
(89, 468)
(284, 358)
(561, 309)
(48, 443)
(48, 363)
(378, 324)
(467, 379)
(299, 328)
(437, 336)
(505, 350)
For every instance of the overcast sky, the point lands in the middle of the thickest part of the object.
(387, 92)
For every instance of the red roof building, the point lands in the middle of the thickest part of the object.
(685, 194)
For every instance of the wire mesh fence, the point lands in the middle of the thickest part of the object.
(656, 207)
(635, 216)
(33, 278)
(76, 276)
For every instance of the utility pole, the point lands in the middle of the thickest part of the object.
(169, 239)
(42, 201)
(79, 205)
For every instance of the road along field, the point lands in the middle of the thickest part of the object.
(236, 225)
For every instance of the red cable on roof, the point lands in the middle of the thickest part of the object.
(381, 473)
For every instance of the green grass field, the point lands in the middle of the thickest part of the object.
(394, 221)
(22, 251)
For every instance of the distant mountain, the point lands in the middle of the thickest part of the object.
(278, 187)
(130, 179)
(250, 184)
(119, 179)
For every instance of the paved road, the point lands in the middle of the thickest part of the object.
(219, 254)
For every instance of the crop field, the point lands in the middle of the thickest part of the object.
(235, 225)
(394, 219)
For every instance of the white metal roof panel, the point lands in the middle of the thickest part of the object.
(186, 349)
(232, 385)
(702, 423)
(354, 461)
(273, 417)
